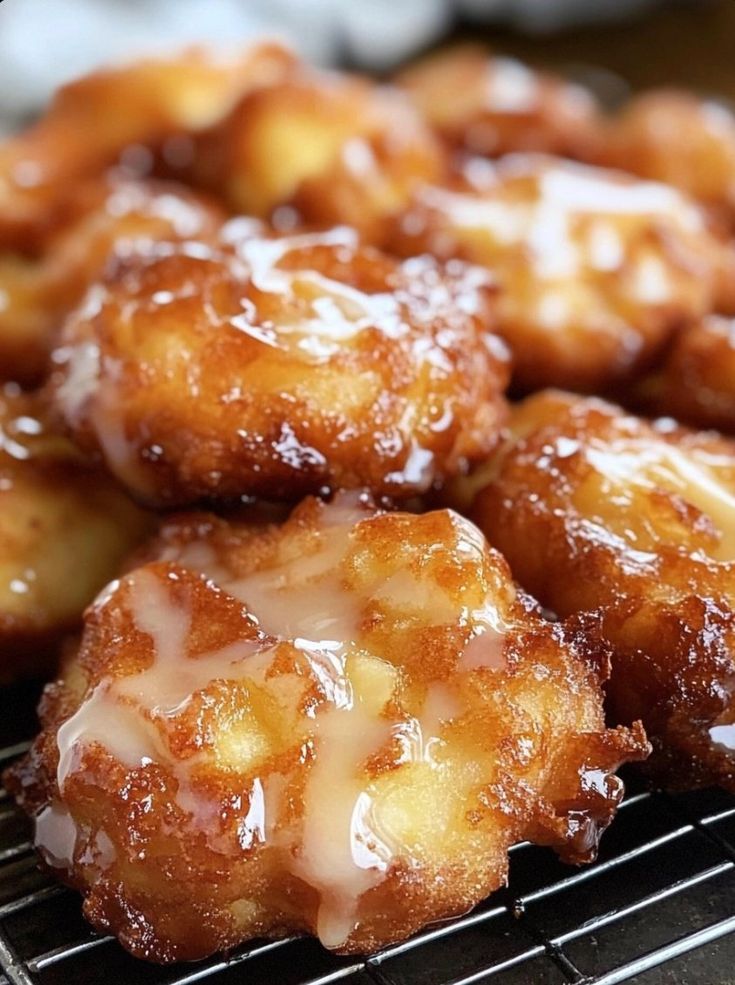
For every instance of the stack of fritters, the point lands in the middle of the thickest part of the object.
(304, 305)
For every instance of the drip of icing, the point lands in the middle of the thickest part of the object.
(304, 599)
(102, 850)
(56, 835)
(418, 469)
(418, 737)
(252, 828)
(297, 601)
(723, 735)
(82, 385)
(486, 646)
(82, 364)
(134, 702)
(340, 854)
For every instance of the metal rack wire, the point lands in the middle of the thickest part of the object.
(657, 908)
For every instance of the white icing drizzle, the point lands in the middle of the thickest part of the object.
(341, 854)
(419, 737)
(133, 703)
(57, 835)
(297, 601)
(418, 469)
(337, 846)
(486, 646)
(317, 314)
(571, 220)
(82, 386)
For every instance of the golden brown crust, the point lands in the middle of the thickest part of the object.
(217, 771)
(64, 528)
(277, 367)
(93, 120)
(96, 218)
(696, 382)
(596, 509)
(674, 136)
(595, 270)
(490, 105)
(323, 149)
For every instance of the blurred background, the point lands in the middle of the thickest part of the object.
(613, 42)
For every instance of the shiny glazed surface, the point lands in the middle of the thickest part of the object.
(696, 381)
(673, 136)
(595, 269)
(278, 367)
(99, 219)
(64, 529)
(337, 725)
(598, 510)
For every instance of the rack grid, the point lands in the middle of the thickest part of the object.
(658, 907)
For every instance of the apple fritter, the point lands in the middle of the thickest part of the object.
(490, 105)
(64, 529)
(99, 217)
(336, 726)
(596, 270)
(599, 510)
(281, 366)
(127, 112)
(321, 148)
(696, 381)
(674, 136)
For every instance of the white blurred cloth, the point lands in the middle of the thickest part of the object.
(45, 42)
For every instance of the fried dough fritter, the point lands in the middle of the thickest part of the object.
(675, 137)
(99, 217)
(279, 367)
(94, 120)
(696, 382)
(596, 270)
(490, 105)
(599, 510)
(322, 148)
(339, 728)
(64, 529)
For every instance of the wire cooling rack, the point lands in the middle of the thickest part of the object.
(657, 908)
